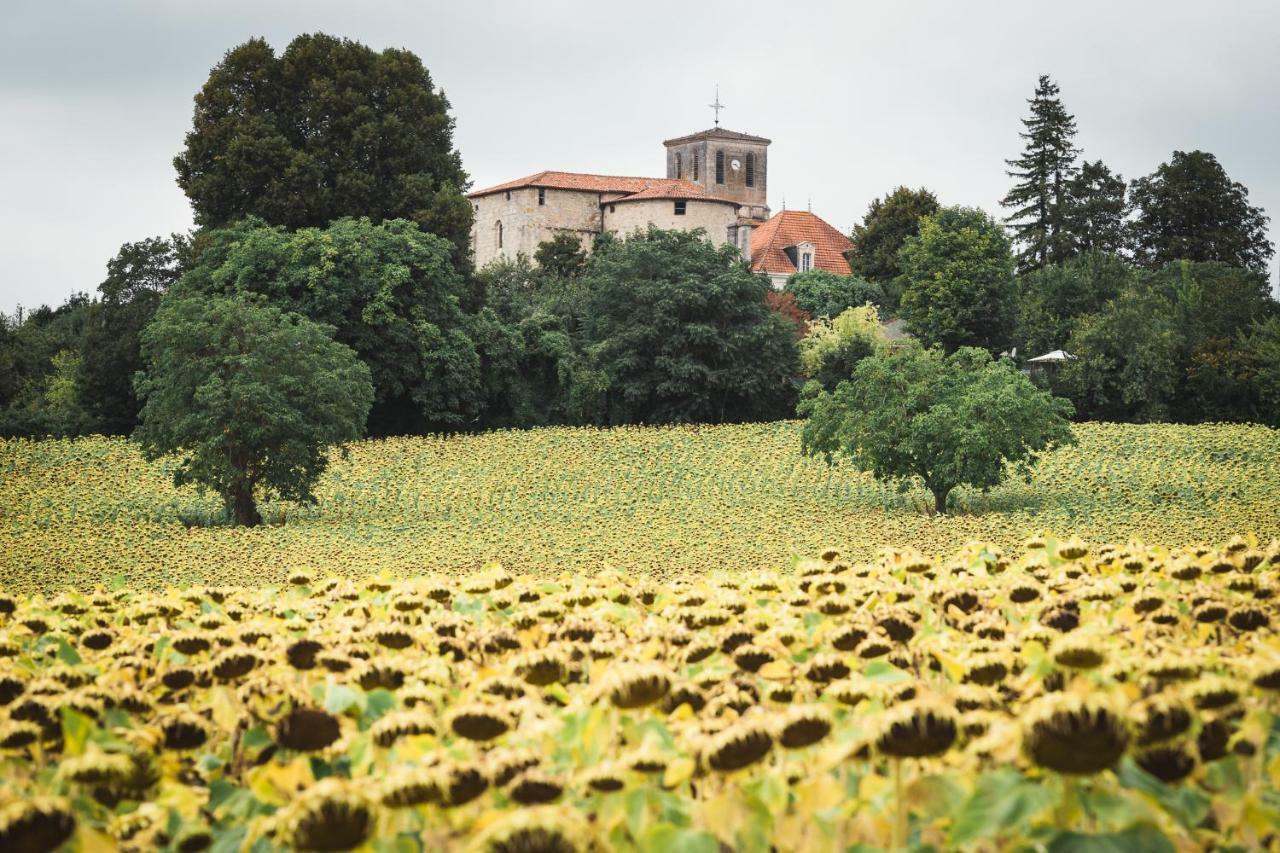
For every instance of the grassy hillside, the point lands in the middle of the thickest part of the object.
(660, 502)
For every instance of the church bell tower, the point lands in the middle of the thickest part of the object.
(728, 164)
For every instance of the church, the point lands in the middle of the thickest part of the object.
(716, 180)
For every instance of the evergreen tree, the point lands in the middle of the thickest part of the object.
(1043, 172)
(877, 239)
(1189, 209)
(1095, 209)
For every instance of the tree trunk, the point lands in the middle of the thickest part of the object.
(940, 500)
(243, 509)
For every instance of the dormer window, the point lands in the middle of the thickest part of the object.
(806, 262)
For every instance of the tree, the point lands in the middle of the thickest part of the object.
(137, 278)
(1189, 209)
(38, 368)
(390, 292)
(681, 331)
(248, 397)
(958, 285)
(1094, 213)
(1052, 299)
(561, 256)
(784, 305)
(821, 293)
(833, 347)
(328, 129)
(877, 239)
(1262, 343)
(1126, 366)
(946, 420)
(1043, 173)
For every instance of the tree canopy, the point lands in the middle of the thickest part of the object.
(1190, 209)
(958, 277)
(681, 331)
(249, 398)
(944, 420)
(1052, 299)
(833, 347)
(389, 291)
(821, 293)
(1043, 173)
(328, 129)
(886, 226)
(1094, 212)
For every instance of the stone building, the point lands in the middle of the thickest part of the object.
(717, 180)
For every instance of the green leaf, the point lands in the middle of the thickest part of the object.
(255, 739)
(377, 703)
(339, 698)
(1002, 801)
(67, 654)
(76, 728)
(1143, 836)
(883, 672)
(1187, 804)
(665, 838)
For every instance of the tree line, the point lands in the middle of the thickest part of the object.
(327, 292)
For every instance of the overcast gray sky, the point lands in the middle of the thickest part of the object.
(858, 97)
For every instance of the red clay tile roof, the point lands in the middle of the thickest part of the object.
(716, 133)
(634, 189)
(673, 188)
(798, 226)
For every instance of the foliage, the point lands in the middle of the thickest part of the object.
(784, 305)
(328, 129)
(1126, 365)
(825, 294)
(388, 290)
(1262, 343)
(1094, 215)
(247, 397)
(1051, 300)
(732, 711)
(37, 353)
(958, 281)
(1190, 209)
(681, 330)
(561, 256)
(960, 419)
(137, 278)
(1044, 173)
(886, 226)
(832, 348)
(665, 502)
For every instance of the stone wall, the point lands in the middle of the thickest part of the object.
(713, 217)
(735, 181)
(525, 223)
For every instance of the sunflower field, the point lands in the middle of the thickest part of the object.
(660, 502)
(1061, 695)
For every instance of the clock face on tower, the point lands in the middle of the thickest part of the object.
(735, 165)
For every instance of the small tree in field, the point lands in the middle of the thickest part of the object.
(949, 420)
(249, 398)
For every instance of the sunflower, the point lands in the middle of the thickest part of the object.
(479, 722)
(541, 829)
(803, 726)
(1075, 735)
(332, 814)
(1169, 762)
(532, 789)
(638, 685)
(37, 824)
(736, 747)
(410, 786)
(916, 729)
(307, 730)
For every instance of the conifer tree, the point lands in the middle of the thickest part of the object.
(1043, 172)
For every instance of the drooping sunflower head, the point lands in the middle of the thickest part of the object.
(638, 685)
(540, 829)
(1078, 651)
(1074, 734)
(480, 722)
(307, 730)
(409, 786)
(398, 724)
(1160, 718)
(803, 725)
(916, 729)
(332, 814)
(737, 746)
(36, 824)
(1170, 762)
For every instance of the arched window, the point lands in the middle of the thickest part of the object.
(679, 165)
(497, 232)
(751, 170)
(719, 167)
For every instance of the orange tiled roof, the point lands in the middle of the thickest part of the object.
(673, 188)
(798, 226)
(656, 187)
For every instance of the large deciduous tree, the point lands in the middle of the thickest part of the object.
(886, 226)
(1043, 173)
(958, 281)
(1052, 299)
(249, 398)
(681, 331)
(821, 293)
(137, 279)
(1094, 212)
(1190, 209)
(943, 420)
(330, 128)
(391, 294)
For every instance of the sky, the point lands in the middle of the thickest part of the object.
(96, 96)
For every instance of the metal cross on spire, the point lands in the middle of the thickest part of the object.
(717, 106)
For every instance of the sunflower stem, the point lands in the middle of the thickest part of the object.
(900, 821)
(1064, 807)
